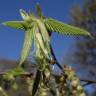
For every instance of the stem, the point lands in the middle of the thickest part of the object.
(57, 63)
(88, 82)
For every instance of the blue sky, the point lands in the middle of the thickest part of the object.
(11, 40)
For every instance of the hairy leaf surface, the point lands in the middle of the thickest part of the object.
(27, 45)
(24, 15)
(39, 12)
(45, 35)
(16, 24)
(65, 29)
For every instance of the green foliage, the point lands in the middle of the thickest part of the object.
(39, 12)
(40, 31)
(27, 45)
(13, 73)
(37, 30)
(24, 15)
(16, 24)
(64, 29)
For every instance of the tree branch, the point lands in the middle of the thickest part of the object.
(88, 82)
(30, 74)
(57, 63)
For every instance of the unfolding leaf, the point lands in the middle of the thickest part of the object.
(24, 15)
(43, 30)
(40, 43)
(65, 29)
(16, 71)
(39, 12)
(43, 34)
(13, 72)
(27, 45)
(16, 24)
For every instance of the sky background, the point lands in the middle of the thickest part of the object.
(11, 40)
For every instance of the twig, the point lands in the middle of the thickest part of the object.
(57, 63)
(88, 82)
(30, 74)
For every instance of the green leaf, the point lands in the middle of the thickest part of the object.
(65, 29)
(24, 15)
(39, 12)
(41, 45)
(16, 24)
(27, 45)
(36, 82)
(41, 38)
(16, 71)
(9, 75)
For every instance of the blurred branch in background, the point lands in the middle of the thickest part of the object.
(84, 57)
(29, 76)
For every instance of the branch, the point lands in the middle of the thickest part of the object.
(57, 63)
(30, 74)
(88, 82)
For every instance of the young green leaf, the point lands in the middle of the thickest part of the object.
(24, 15)
(16, 71)
(44, 33)
(10, 74)
(39, 12)
(40, 43)
(16, 24)
(65, 29)
(27, 45)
